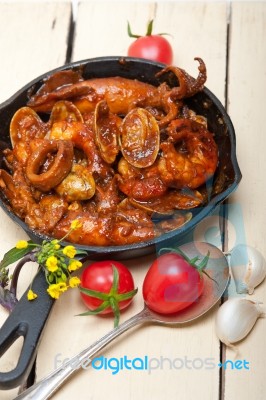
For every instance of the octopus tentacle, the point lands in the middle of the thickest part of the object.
(188, 86)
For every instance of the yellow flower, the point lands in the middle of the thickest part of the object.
(70, 251)
(22, 244)
(51, 264)
(74, 281)
(56, 289)
(56, 244)
(75, 224)
(74, 265)
(31, 295)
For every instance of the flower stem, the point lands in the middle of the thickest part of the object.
(15, 275)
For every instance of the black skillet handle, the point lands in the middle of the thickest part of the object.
(28, 320)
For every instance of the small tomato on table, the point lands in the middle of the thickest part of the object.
(151, 47)
(173, 282)
(107, 287)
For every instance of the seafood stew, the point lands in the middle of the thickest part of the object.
(132, 151)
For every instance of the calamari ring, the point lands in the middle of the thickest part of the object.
(59, 169)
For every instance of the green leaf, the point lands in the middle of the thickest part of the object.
(203, 264)
(126, 296)
(98, 310)
(81, 252)
(15, 254)
(174, 250)
(194, 260)
(95, 293)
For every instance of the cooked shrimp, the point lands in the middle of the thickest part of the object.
(94, 230)
(195, 159)
(138, 183)
(107, 197)
(40, 214)
(17, 191)
(132, 226)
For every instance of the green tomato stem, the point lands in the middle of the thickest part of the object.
(115, 307)
(114, 287)
(126, 296)
(149, 28)
(192, 261)
(95, 293)
(97, 310)
(148, 32)
(130, 34)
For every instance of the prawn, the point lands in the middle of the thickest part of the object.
(190, 156)
(138, 183)
(40, 214)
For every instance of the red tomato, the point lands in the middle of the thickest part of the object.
(152, 47)
(171, 284)
(107, 287)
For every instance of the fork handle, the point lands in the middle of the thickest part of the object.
(47, 386)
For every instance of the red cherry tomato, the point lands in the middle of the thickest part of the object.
(107, 287)
(171, 284)
(151, 47)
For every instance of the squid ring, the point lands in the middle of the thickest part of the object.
(59, 169)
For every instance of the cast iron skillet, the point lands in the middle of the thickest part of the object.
(29, 318)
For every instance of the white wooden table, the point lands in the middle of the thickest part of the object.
(230, 36)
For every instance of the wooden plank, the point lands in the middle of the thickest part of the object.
(100, 24)
(33, 40)
(101, 31)
(247, 83)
